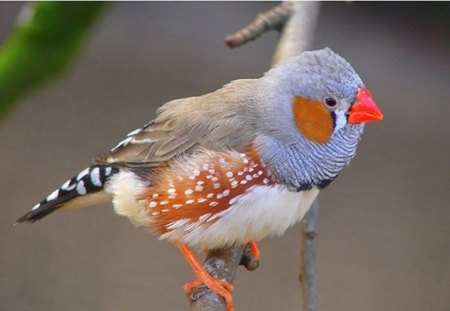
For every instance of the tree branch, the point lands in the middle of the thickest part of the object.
(275, 18)
(298, 33)
(297, 20)
(307, 275)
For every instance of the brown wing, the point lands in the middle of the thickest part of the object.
(218, 120)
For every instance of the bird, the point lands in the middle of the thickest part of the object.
(232, 166)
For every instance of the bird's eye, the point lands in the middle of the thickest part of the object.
(330, 102)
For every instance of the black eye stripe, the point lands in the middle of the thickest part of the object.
(333, 116)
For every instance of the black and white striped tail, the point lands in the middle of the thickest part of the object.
(88, 181)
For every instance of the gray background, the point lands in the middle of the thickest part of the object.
(384, 240)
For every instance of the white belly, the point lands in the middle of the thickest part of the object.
(262, 211)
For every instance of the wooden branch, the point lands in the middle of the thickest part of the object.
(298, 34)
(272, 19)
(307, 275)
(298, 19)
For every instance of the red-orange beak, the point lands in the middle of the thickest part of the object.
(364, 109)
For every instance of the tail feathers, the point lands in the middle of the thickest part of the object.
(82, 190)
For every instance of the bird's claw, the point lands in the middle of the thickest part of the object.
(221, 288)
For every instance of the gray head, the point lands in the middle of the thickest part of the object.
(313, 109)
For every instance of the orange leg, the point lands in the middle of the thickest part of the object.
(254, 248)
(219, 287)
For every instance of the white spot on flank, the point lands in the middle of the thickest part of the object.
(226, 192)
(240, 173)
(216, 185)
(229, 174)
(52, 196)
(163, 202)
(210, 195)
(188, 192)
(164, 210)
(189, 201)
(155, 196)
(95, 177)
(245, 160)
(260, 173)
(171, 190)
(196, 173)
(265, 181)
(201, 200)
(211, 171)
(191, 177)
(249, 177)
(219, 196)
(198, 188)
(234, 184)
(36, 207)
(213, 203)
(80, 188)
(177, 206)
(152, 204)
(83, 173)
(155, 213)
(200, 182)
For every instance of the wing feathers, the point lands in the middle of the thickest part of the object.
(214, 121)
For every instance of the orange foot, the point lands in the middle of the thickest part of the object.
(221, 288)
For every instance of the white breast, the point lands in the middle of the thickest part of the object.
(262, 211)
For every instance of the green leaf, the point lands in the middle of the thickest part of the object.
(41, 46)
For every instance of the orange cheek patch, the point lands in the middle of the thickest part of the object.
(313, 120)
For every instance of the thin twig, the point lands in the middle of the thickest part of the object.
(275, 18)
(298, 19)
(307, 275)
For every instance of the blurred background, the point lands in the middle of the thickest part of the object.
(384, 224)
